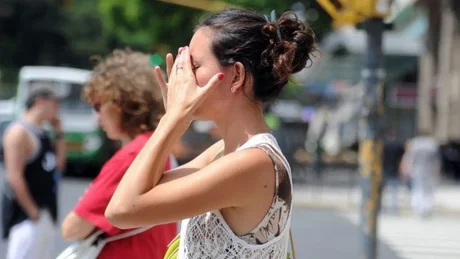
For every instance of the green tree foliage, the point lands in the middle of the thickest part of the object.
(148, 25)
(263, 5)
(81, 26)
(28, 30)
(159, 26)
(67, 33)
(47, 32)
(29, 35)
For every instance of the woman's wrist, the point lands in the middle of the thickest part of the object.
(176, 120)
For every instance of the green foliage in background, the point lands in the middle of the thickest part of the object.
(68, 33)
(148, 25)
(83, 28)
(263, 5)
(158, 26)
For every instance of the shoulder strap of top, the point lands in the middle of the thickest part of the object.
(275, 160)
(32, 129)
(268, 144)
(269, 141)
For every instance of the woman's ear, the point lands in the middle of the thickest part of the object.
(239, 77)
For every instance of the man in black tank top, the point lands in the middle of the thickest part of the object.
(29, 197)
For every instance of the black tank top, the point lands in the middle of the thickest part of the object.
(40, 179)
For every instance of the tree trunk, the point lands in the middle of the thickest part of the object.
(443, 82)
(425, 83)
(454, 117)
(427, 67)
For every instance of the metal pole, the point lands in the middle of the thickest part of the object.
(370, 149)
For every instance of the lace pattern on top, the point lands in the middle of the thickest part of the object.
(208, 236)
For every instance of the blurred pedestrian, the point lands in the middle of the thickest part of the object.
(315, 139)
(29, 199)
(422, 165)
(393, 151)
(129, 104)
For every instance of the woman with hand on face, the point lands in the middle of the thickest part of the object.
(128, 101)
(236, 196)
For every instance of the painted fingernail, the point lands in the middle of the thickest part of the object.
(220, 76)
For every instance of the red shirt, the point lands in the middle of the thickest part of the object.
(147, 245)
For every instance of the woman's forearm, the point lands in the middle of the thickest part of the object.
(147, 169)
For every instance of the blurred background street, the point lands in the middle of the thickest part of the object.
(326, 230)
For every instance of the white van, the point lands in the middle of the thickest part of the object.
(84, 139)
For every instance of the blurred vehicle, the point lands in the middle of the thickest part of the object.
(198, 137)
(87, 146)
(7, 109)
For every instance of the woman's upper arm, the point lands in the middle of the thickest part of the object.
(235, 180)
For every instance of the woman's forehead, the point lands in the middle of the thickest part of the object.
(199, 45)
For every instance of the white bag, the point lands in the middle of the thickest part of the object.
(92, 246)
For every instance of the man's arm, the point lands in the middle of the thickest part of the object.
(405, 165)
(59, 145)
(60, 154)
(15, 145)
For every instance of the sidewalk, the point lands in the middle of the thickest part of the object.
(447, 198)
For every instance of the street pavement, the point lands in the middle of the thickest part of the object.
(326, 233)
(415, 238)
(349, 198)
(340, 189)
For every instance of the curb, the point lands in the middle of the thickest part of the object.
(355, 208)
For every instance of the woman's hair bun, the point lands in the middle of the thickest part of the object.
(269, 50)
(291, 45)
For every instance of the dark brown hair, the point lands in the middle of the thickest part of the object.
(126, 79)
(247, 37)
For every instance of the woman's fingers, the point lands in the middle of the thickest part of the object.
(162, 83)
(178, 65)
(169, 64)
(186, 61)
(212, 84)
(160, 79)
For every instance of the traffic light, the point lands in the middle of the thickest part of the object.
(339, 12)
(355, 11)
(371, 14)
(371, 8)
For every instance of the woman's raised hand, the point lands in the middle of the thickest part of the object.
(159, 76)
(181, 94)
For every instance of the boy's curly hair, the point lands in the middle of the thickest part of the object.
(126, 79)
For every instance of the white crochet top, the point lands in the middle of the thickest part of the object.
(208, 236)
